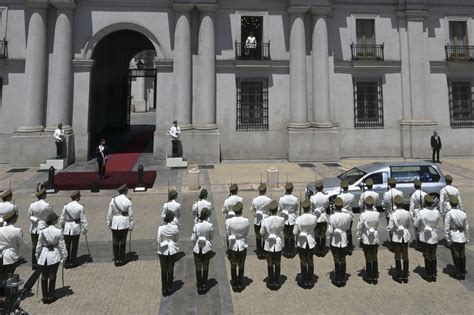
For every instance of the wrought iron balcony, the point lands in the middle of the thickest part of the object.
(260, 52)
(3, 49)
(459, 53)
(367, 52)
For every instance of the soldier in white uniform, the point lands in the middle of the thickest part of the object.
(73, 221)
(305, 241)
(6, 206)
(38, 212)
(167, 237)
(367, 232)
(427, 220)
(203, 233)
(399, 224)
(339, 223)
(457, 234)
(320, 204)
(50, 252)
(347, 202)
(201, 204)
(446, 192)
(366, 193)
(231, 201)
(260, 209)
(237, 228)
(388, 197)
(271, 229)
(288, 209)
(416, 204)
(173, 206)
(120, 221)
(174, 133)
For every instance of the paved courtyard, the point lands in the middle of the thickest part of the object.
(99, 287)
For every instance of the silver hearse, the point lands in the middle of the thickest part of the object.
(405, 173)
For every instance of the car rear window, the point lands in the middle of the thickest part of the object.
(408, 174)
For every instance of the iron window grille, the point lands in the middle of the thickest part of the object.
(3, 49)
(461, 104)
(368, 104)
(252, 104)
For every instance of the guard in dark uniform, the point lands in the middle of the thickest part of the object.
(102, 154)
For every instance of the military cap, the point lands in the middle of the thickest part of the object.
(289, 186)
(172, 193)
(51, 217)
(429, 199)
(345, 184)
(398, 200)
(453, 200)
(417, 182)
(6, 193)
(369, 182)
(369, 201)
(204, 214)
(237, 207)
(392, 181)
(122, 188)
(234, 187)
(306, 204)
(74, 194)
(448, 178)
(10, 214)
(40, 192)
(175, 122)
(262, 187)
(203, 193)
(169, 216)
(338, 202)
(319, 184)
(273, 205)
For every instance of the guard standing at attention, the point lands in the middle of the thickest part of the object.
(167, 237)
(120, 221)
(288, 208)
(305, 241)
(271, 230)
(457, 234)
(369, 183)
(6, 206)
(38, 212)
(260, 208)
(173, 206)
(237, 228)
(73, 220)
(339, 223)
(347, 202)
(231, 201)
(416, 204)
(201, 204)
(102, 155)
(399, 224)
(320, 204)
(58, 136)
(446, 192)
(203, 233)
(388, 197)
(174, 133)
(11, 238)
(367, 232)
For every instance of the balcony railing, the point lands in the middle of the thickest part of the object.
(459, 53)
(3, 49)
(367, 52)
(260, 52)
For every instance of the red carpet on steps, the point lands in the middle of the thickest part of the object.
(84, 180)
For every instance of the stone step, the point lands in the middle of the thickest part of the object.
(58, 164)
(176, 162)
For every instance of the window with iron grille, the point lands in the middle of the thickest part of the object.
(368, 104)
(461, 104)
(252, 104)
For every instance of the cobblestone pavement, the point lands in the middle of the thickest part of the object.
(98, 287)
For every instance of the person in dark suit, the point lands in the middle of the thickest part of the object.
(436, 146)
(102, 154)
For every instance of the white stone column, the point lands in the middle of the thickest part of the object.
(60, 82)
(320, 74)
(298, 99)
(35, 69)
(141, 88)
(182, 65)
(206, 92)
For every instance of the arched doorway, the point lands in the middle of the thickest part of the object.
(111, 94)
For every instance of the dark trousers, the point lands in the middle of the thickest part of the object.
(400, 250)
(48, 273)
(167, 263)
(72, 243)
(370, 252)
(34, 242)
(119, 242)
(237, 258)
(201, 261)
(436, 151)
(175, 146)
(258, 238)
(273, 258)
(101, 164)
(320, 233)
(306, 255)
(429, 250)
(5, 271)
(458, 250)
(339, 254)
(59, 148)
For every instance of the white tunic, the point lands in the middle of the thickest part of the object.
(198, 206)
(237, 229)
(58, 135)
(271, 230)
(399, 223)
(347, 201)
(260, 208)
(167, 237)
(319, 204)
(456, 228)
(6, 207)
(120, 215)
(339, 223)
(73, 219)
(203, 233)
(444, 194)
(367, 227)
(11, 238)
(304, 230)
(174, 207)
(174, 132)
(51, 247)
(229, 203)
(288, 208)
(426, 222)
(38, 212)
(417, 201)
(388, 197)
(366, 194)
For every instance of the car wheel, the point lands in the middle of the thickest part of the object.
(435, 200)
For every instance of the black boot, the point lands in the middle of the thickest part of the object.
(52, 289)
(310, 276)
(434, 271)
(406, 270)
(277, 276)
(428, 273)
(286, 250)
(375, 270)
(198, 280)
(44, 290)
(205, 275)
(233, 274)
(271, 276)
(292, 247)
(116, 254)
(462, 267)
(169, 286)
(398, 271)
(368, 272)
(164, 282)
(323, 246)
(259, 248)
(240, 279)
(337, 274)
(304, 274)
(343, 273)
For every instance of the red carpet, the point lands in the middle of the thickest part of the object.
(84, 180)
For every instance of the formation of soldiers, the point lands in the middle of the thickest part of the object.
(285, 227)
